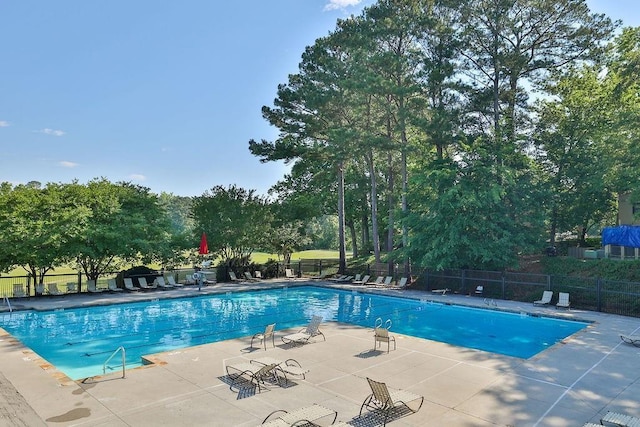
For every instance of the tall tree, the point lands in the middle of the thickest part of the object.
(126, 224)
(572, 138)
(237, 222)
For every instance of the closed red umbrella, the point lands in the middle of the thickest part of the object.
(204, 248)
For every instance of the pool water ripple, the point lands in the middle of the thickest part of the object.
(79, 340)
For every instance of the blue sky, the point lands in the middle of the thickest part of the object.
(163, 94)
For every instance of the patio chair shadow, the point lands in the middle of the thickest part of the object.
(369, 353)
(376, 419)
(245, 387)
(250, 349)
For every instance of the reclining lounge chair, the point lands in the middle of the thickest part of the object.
(383, 401)
(635, 341)
(160, 283)
(142, 282)
(304, 335)
(129, 286)
(563, 301)
(173, 282)
(52, 288)
(112, 286)
(18, 290)
(92, 288)
(302, 416)
(289, 366)
(618, 419)
(254, 374)
(546, 298)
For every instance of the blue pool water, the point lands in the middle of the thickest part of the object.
(78, 341)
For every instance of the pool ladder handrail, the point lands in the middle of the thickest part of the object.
(6, 299)
(124, 358)
(378, 324)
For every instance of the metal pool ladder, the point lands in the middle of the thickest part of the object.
(378, 324)
(6, 299)
(124, 358)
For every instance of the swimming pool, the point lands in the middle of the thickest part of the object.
(79, 340)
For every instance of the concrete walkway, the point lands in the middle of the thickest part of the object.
(573, 382)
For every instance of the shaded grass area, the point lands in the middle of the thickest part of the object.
(256, 257)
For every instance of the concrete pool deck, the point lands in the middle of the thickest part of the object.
(575, 381)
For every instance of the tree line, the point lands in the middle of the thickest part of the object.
(101, 227)
(442, 133)
(448, 133)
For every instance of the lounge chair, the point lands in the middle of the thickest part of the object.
(258, 275)
(384, 401)
(52, 288)
(479, 290)
(630, 340)
(298, 417)
(129, 286)
(357, 278)
(347, 279)
(72, 287)
(112, 286)
(620, 420)
(39, 289)
(233, 277)
(364, 280)
(289, 274)
(264, 336)
(546, 298)
(404, 281)
(189, 280)
(382, 335)
(144, 285)
(18, 290)
(249, 277)
(387, 281)
(289, 366)
(339, 278)
(378, 281)
(305, 334)
(563, 300)
(91, 287)
(172, 282)
(254, 374)
(442, 291)
(160, 283)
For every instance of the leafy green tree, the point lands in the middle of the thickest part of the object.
(175, 251)
(572, 138)
(38, 226)
(236, 221)
(462, 220)
(624, 141)
(126, 224)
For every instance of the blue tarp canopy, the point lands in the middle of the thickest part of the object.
(624, 235)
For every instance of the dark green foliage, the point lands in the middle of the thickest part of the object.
(626, 271)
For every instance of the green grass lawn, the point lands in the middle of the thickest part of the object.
(257, 257)
(262, 257)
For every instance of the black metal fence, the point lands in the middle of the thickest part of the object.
(593, 294)
(608, 296)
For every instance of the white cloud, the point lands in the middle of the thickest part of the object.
(53, 132)
(4, 123)
(341, 4)
(137, 177)
(67, 164)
